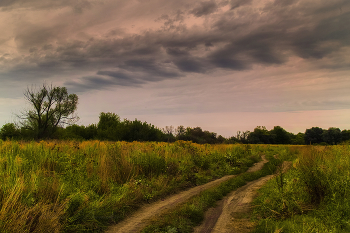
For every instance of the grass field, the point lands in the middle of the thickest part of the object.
(314, 196)
(85, 186)
(70, 186)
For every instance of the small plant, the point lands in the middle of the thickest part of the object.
(171, 229)
(280, 179)
(148, 197)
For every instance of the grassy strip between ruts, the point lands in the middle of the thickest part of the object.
(190, 214)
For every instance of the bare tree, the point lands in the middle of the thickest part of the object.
(168, 130)
(51, 107)
(180, 131)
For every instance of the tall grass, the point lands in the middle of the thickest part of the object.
(190, 214)
(85, 186)
(315, 195)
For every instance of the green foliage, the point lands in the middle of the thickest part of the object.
(260, 135)
(332, 136)
(108, 127)
(9, 131)
(197, 135)
(185, 217)
(345, 135)
(280, 135)
(313, 135)
(87, 186)
(298, 139)
(314, 197)
(51, 107)
(79, 132)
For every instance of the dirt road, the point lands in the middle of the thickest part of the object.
(232, 213)
(140, 219)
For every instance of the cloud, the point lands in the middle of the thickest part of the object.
(78, 5)
(103, 80)
(32, 36)
(204, 8)
(237, 3)
(184, 40)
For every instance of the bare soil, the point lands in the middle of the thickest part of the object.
(142, 217)
(232, 213)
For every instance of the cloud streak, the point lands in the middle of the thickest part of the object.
(86, 45)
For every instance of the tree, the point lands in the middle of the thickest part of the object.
(221, 139)
(168, 132)
(51, 107)
(9, 131)
(313, 135)
(79, 132)
(298, 139)
(109, 127)
(180, 131)
(108, 120)
(241, 137)
(280, 135)
(260, 135)
(345, 135)
(332, 136)
(138, 131)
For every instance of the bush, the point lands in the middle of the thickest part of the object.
(10, 131)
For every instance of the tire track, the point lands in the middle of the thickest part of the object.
(140, 219)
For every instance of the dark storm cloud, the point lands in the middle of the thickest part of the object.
(284, 3)
(170, 21)
(103, 80)
(177, 52)
(237, 3)
(77, 5)
(311, 43)
(153, 68)
(116, 75)
(236, 39)
(33, 36)
(185, 62)
(205, 8)
(188, 65)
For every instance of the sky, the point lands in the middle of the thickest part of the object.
(223, 65)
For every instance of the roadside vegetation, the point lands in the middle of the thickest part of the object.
(313, 196)
(85, 186)
(190, 214)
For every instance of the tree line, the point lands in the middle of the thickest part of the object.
(111, 128)
(52, 116)
(278, 135)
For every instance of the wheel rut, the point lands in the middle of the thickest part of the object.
(141, 218)
(232, 213)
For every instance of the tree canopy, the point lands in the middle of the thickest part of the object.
(50, 107)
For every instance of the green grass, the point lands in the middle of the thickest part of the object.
(190, 214)
(314, 197)
(86, 186)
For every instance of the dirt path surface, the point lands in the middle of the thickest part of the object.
(140, 219)
(232, 213)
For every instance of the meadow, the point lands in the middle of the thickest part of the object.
(71, 186)
(313, 196)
